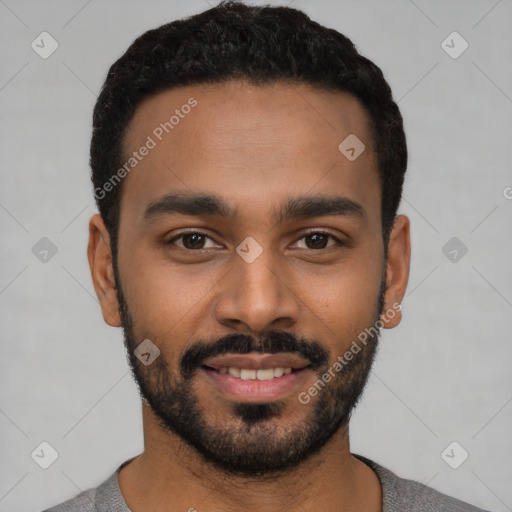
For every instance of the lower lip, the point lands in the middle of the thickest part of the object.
(256, 391)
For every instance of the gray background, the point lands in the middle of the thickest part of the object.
(443, 375)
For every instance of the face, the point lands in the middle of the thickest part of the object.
(250, 254)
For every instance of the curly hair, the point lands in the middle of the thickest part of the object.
(261, 44)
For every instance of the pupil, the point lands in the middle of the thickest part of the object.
(316, 237)
(194, 239)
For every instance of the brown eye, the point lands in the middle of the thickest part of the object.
(191, 240)
(319, 239)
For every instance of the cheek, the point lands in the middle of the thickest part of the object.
(346, 301)
(160, 298)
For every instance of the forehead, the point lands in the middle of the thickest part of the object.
(250, 144)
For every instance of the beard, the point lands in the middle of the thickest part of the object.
(255, 441)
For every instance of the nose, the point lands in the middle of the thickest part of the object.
(257, 296)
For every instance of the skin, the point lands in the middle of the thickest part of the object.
(254, 146)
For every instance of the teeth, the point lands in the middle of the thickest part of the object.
(265, 374)
(278, 372)
(262, 374)
(234, 372)
(247, 374)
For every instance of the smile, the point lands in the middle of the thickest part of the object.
(252, 374)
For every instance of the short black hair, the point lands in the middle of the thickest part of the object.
(261, 44)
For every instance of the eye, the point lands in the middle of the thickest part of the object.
(191, 240)
(318, 240)
(195, 240)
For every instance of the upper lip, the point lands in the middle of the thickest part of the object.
(257, 361)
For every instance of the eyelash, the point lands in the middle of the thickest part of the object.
(310, 233)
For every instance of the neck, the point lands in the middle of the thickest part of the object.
(170, 475)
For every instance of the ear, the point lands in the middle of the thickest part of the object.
(102, 271)
(397, 271)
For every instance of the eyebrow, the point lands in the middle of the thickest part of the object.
(295, 208)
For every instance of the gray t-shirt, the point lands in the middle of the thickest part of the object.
(398, 495)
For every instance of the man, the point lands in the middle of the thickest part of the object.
(248, 165)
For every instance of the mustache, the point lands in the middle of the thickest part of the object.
(272, 343)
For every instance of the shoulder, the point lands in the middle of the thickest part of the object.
(106, 497)
(84, 502)
(400, 494)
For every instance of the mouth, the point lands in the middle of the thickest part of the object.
(251, 374)
(256, 378)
